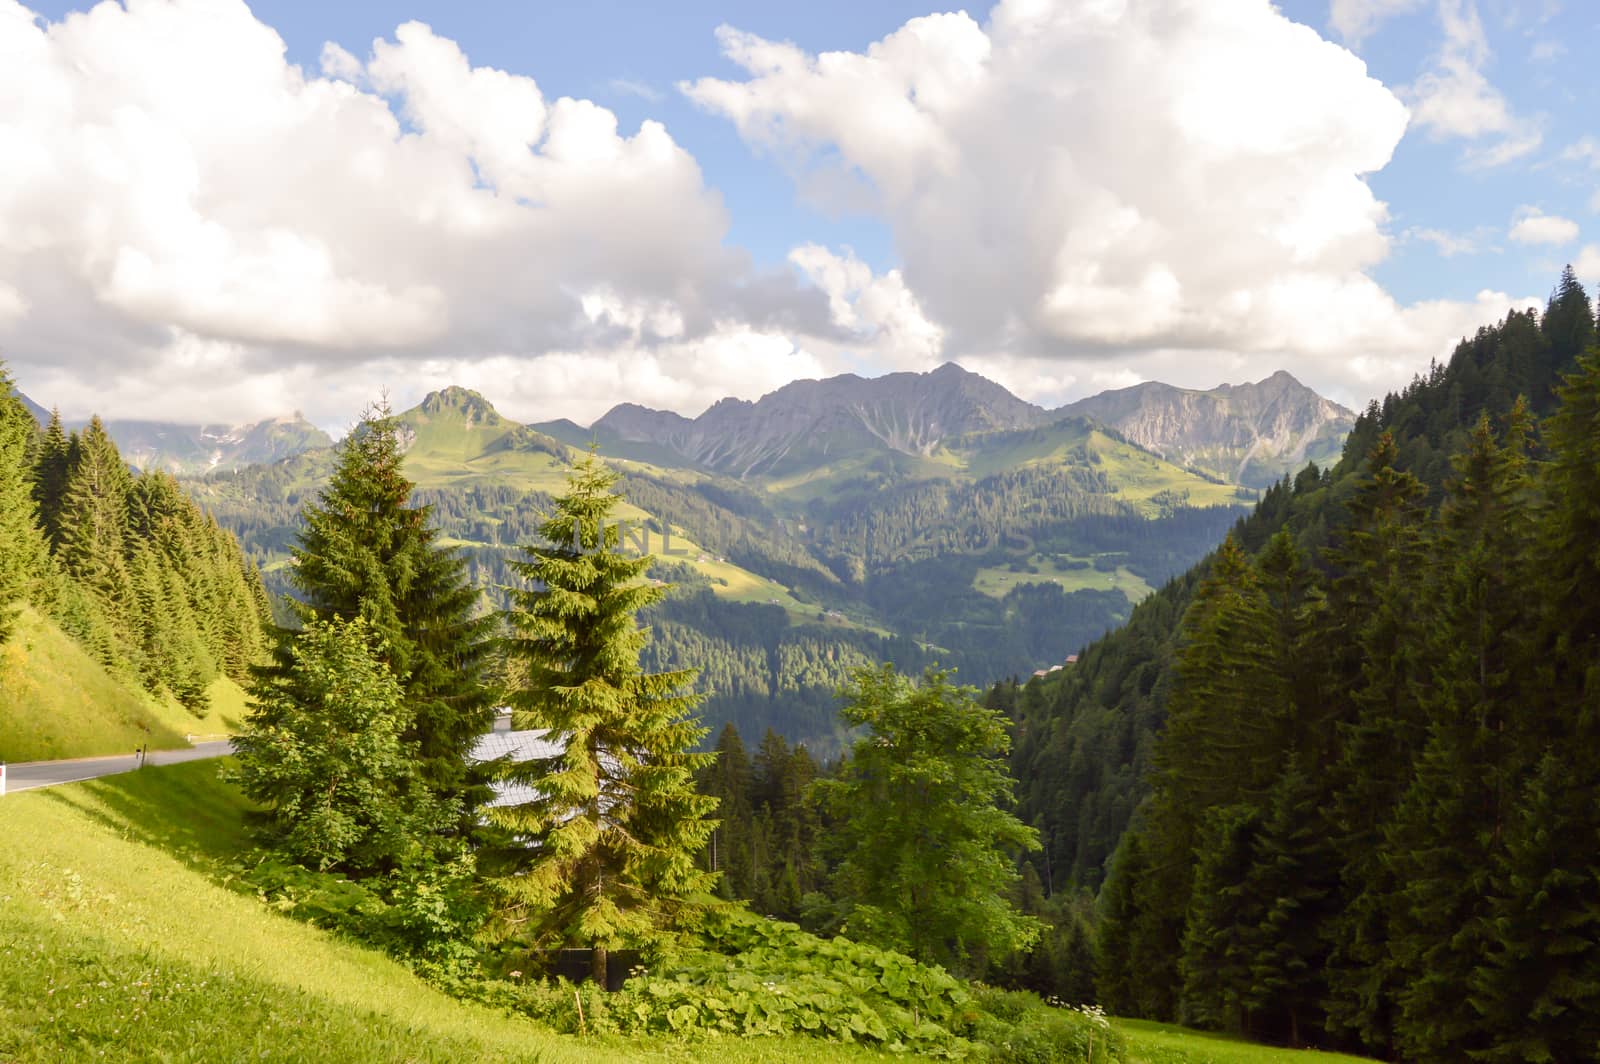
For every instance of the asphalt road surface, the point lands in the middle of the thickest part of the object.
(27, 775)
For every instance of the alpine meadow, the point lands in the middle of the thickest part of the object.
(1060, 531)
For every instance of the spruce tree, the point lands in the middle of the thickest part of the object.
(1376, 606)
(728, 780)
(1296, 871)
(1539, 988)
(1225, 912)
(366, 552)
(1568, 325)
(93, 531)
(1449, 832)
(52, 464)
(1225, 714)
(1139, 942)
(22, 557)
(602, 853)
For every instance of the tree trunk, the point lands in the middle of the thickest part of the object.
(597, 967)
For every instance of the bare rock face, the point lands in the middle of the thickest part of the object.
(1250, 434)
(40, 414)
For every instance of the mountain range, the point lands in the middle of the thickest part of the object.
(1248, 434)
(193, 449)
(201, 448)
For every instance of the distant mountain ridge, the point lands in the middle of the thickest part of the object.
(40, 414)
(193, 449)
(810, 422)
(1249, 434)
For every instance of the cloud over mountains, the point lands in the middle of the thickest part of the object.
(1080, 193)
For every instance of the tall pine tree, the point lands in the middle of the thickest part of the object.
(367, 552)
(1377, 609)
(602, 852)
(1449, 832)
(52, 465)
(1539, 990)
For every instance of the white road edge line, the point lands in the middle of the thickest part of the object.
(55, 783)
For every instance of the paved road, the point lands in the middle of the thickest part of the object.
(30, 774)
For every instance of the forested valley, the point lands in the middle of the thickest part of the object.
(778, 596)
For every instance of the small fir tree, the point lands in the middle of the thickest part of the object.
(366, 552)
(323, 751)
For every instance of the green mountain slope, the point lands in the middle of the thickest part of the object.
(57, 701)
(787, 580)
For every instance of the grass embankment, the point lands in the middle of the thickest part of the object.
(117, 942)
(56, 701)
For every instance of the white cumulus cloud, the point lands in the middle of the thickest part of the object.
(1096, 185)
(178, 200)
(1587, 266)
(1532, 226)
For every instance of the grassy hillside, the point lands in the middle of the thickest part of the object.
(1139, 477)
(118, 940)
(56, 701)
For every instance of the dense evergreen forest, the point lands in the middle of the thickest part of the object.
(125, 563)
(1353, 751)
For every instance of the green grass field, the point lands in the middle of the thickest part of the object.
(1136, 475)
(56, 702)
(997, 581)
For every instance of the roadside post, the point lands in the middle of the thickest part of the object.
(2, 779)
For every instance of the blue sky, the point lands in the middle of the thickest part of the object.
(813, 248)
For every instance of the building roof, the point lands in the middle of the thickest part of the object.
(515, 746)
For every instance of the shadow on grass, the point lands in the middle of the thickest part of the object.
(183, 810)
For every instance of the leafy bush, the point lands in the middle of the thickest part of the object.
(744, 976)
(428, 913)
